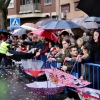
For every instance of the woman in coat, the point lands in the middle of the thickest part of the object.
(64, 52)
(94, 55)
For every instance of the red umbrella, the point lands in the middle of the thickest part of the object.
(33, 72)
(47, 34)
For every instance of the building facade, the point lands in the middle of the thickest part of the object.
(67, 9)
(31, 10)
(36, 10)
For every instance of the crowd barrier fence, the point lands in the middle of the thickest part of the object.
(91, 71)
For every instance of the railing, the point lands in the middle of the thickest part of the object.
(30, 8)
(91, 71)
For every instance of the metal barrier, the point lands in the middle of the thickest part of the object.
(91, 71)
(92, 74)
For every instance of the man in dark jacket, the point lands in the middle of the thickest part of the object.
(35, 43)
(68, 61)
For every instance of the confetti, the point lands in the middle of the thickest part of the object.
(10, 92)
(17, 91)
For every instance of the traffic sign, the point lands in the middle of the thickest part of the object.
(14, 22)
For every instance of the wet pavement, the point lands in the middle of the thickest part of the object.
(12, 87)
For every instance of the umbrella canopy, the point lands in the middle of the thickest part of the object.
(19, 31)
(60, 25)
(33, 73)
(32, 64)
(91, 8)
(78, 31)
(17, 55)
(92, 19)
(5, 32)
(46, 87)
(47, 34)
(39, 23)
(45, 22)
(29, 26)
(32, 67)
(88, 25)
(70, 80)
(88, 93)
(10, 30)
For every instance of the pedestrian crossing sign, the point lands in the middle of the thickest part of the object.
(14, 22)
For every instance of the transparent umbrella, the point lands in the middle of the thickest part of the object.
(19, 31)
(88, 25)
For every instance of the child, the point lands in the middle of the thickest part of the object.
(85, 50)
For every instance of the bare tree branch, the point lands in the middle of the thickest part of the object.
(1, 4)
(4, 12)
(6, 4)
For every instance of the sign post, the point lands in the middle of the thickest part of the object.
(14, 22)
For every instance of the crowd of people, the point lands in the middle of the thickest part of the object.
(69, 47)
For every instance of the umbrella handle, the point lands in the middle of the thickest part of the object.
(73, 67)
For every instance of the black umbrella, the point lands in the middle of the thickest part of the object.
(5, 32)
(17, 55)
(90, 7)
(92, 19)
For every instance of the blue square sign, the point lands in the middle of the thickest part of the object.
(14, 22)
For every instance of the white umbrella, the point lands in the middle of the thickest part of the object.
(29, 26)
(88, 25)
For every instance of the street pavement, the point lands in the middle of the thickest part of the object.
(12, 87)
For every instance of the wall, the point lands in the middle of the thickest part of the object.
(15, 10)
(48, 8)
(72, 14)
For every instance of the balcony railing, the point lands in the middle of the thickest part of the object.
(30, 8)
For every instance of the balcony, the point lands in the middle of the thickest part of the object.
(30, 8)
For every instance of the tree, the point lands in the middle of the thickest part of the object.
(4, 12)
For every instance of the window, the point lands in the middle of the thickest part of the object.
(75, 5)
(36, 1)
(11, 4)
(24, 2)
(47, 2)
(65, 8)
